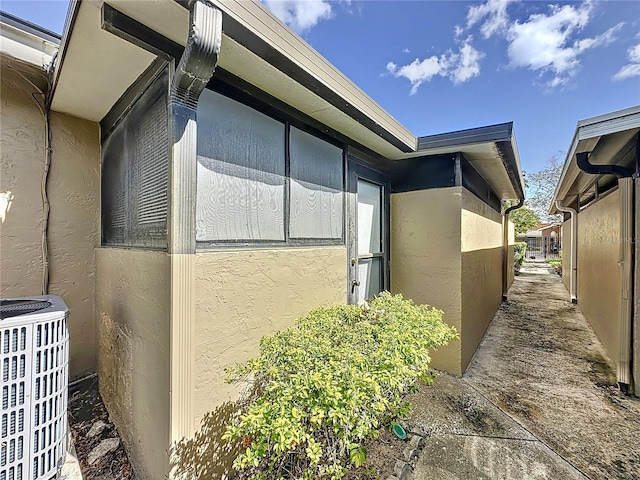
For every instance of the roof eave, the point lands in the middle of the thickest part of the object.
(501, 136)
(585, 138)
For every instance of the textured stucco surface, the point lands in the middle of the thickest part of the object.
(510, 254)
(481, 271)
(244, 295)
(22, 139)
(73, 190)
(598, 271)
(132, 309)
(74, 195)
(426, 263)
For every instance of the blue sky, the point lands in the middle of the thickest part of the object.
(441, 66)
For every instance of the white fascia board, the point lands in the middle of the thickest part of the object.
(588, 133)
(26, 47)
(254, 17)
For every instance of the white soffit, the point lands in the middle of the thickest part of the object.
(97, 67)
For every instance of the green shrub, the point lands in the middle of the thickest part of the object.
(554, 262)
(519, 255)
(330, 382)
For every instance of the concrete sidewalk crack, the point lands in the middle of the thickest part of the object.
(517, 420)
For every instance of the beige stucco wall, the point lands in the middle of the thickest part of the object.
(510, 254)
(242, 295)
(132, 309)
(21, 169)
(426, 264)
(74, 196)
(598, 270)
(566, 254)
(481, 271)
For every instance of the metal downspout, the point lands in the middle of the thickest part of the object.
(190, 76)
(573, 284)
(625, 184)
(505, 247)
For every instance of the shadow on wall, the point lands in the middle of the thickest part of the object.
(207, 456)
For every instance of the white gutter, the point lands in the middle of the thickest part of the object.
(573, 285)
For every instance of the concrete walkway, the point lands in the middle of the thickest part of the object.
(538, 401)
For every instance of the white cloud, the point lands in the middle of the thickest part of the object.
(632, 69)
(495, 16)
(458, 67)
(466, 64)
(300, 15)
(405, 50)
(545, 42)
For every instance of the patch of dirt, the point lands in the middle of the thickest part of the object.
(382, 454)
(98, 447)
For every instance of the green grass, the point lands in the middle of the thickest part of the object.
(555, 262)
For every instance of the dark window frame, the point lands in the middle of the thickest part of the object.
(244, 98)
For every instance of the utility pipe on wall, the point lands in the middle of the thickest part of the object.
(505, 247)
(573, 283)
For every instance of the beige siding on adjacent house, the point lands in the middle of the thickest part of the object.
(598, 269)
(566, 254)
(425, 258)
(481, 271)
(74, 196)
(132, 309)
(242, 295)
(510, 255)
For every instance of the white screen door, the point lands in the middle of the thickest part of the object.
(368, 269)
(369, 242)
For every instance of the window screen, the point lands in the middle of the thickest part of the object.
(135, 163)
(241, 172)
(316, 170)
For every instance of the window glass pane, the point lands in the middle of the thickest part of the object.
(370, 277)
(316, 170)
(369, 211)
(241, 172)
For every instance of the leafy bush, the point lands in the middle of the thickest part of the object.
(330, 382)
(519, 255)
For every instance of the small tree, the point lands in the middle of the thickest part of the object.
(542, 186)
(523, 219)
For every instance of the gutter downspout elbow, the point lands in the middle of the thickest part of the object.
(573, 283)
(505, 247)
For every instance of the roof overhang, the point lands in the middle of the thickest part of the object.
(604, 137)
(26, 42)
(96, 67)
(491, 150)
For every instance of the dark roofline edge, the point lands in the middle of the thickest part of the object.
(30, 27)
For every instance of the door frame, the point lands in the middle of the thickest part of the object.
(358, 170)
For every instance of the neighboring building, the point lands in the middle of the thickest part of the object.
(544, 241)
(194, 211)
(598, 192)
